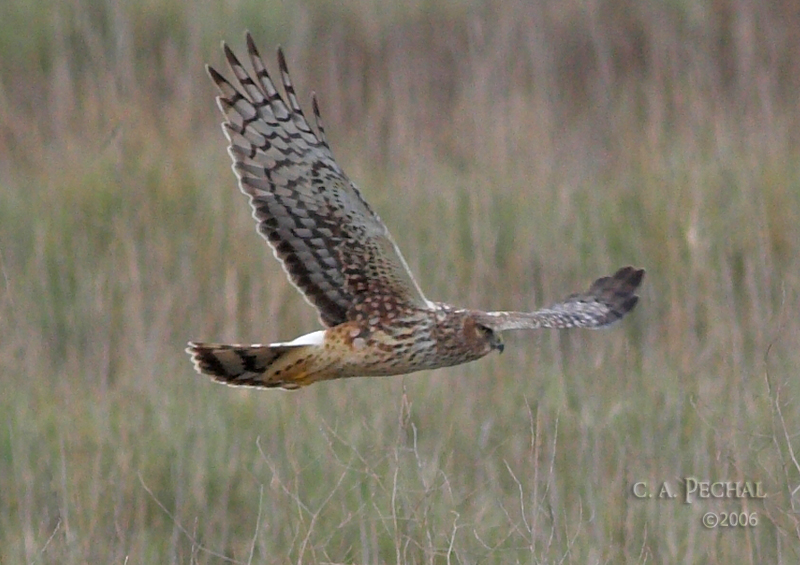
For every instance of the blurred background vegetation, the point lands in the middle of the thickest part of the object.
(517, 150)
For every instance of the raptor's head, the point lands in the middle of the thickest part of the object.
(482, 337)
(494, 338)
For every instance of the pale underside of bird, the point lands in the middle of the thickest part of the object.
(340, 256)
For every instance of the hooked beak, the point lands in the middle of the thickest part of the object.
(498, 344)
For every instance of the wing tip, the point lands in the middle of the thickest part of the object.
(230, 55)
(629, 304)
(215, 75)
(630, 275)
(282, 60)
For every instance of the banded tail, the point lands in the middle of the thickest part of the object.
(265, 366)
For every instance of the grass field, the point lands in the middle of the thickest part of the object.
(517, 151)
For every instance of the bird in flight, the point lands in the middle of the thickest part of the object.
(340, 256)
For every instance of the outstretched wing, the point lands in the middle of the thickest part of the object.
(606, 301)
(334, 248)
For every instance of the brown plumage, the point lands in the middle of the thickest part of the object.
(340, 255)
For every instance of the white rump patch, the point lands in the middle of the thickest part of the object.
(314, 338)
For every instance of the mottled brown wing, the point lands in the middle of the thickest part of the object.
(335, 249)
(606, 301)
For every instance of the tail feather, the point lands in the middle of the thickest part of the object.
(264, 366)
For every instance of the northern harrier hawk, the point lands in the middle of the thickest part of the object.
(339, 254)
